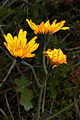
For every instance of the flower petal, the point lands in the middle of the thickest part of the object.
(65, 28)
(18, 47)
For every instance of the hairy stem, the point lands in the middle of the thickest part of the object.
(46, 73)
(40, 98)
(37, 81)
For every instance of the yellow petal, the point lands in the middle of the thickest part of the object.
(19, 53)
(28, 55)
(8, 38)
(32, 41)
(32, 25)
(18, 47)
(15, 41)
(47, 24)
(56, 56)
(34, 47)
(53, 23)
(57, 27)
(65, 28)
(22, 34)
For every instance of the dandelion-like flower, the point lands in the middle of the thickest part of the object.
(47, 28)
(56, 56)
(18, 45)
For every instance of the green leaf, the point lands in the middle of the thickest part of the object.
(26, 93)
(21, 83)
(26, 98)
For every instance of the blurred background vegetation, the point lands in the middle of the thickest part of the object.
(63, 87)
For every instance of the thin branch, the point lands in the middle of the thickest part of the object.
(66, 37)
(75, 65)
(71, 49)
(18, 107)
(12, 88)
(9, 107)
(4, 3)
(3, 113)
(63, 110)
(28, 2)
(51, 107)
(9, 71)
(77, 108)
(37, 81)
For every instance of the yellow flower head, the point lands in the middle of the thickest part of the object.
(56, 56)
(47, 28)
(18, 45)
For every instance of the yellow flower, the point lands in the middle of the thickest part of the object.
(18, 45)
(56, 56)
(45, 28)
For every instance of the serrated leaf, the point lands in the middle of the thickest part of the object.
(26, 98)
(22, 83)
(26, 94)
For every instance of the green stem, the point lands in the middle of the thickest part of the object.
(64, 109)
(46, 73)
(39, 104)
(44, 64)
(44, 94)
(38, 83)
(40, 97)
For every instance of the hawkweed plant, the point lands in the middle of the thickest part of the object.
(19, 47)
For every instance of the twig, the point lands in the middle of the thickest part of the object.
(37, 81)
(4, 3)
(51, 107)
(64, 109)
(9, 107)
(1, 30)
(78, 64)
(12, 66)
(10, 3)
(18, 107)
(6, 52)
(28, 2)
(27, 9)
(77, 108)
(3, 113)
(70, 49)
(15, 87)
(65, 37)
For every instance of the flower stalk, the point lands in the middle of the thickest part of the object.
(37, 81)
